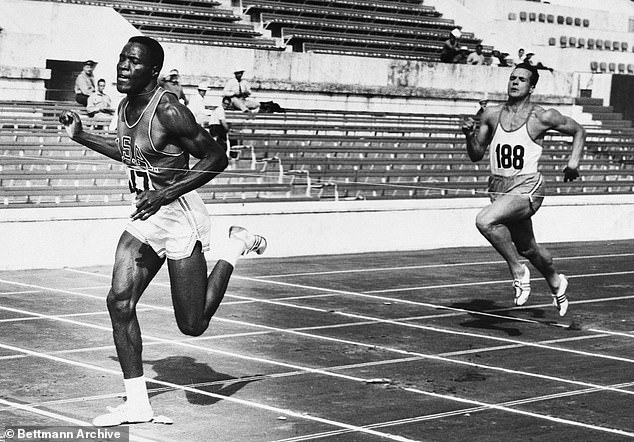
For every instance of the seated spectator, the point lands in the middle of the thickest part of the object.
(530, 59)
(499, 58)
(476, 57)
(462, 56)
(520, 57)
(236, 94)
(196, 104)
(99, 106)
(85, 83)
(450, 47)
(171, 83)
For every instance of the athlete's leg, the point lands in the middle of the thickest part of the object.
(524, 240)
(493, 221)
(195, 296)
(135, 266)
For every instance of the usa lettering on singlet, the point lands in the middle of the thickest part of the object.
(513, 152)
(148, 168)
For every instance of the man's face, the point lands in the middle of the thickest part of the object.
(101, 86)
(89, 68)
(519, 83)
(134, 69)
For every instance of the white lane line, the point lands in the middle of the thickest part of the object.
(352, 378)
(250, 404)
(373, 346)
(59, 417)
(505, 281)
(354, 428)
(434, 266)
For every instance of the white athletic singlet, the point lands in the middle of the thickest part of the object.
(148, 168)
(513, 152)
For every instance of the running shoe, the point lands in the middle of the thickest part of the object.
(522, 287)
(560, 301)
(253, 243)
(123, 414)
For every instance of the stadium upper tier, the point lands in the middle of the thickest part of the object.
(298, 155)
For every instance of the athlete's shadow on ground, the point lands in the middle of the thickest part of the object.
(184, 370)
(490, 320)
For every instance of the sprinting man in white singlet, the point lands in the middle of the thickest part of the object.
(514, 133)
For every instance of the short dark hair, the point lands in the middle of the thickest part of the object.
(101, 80)
(154, 48)
(532, 69)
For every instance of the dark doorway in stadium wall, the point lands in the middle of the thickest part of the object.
(61, 86)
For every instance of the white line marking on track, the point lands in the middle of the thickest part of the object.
(404, 352)
(433, 266)
(59, 417)
(250, 404)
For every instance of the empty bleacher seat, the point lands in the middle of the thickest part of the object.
(607, 44)
(561, 19)
(612, 66)
(598, 43)
(616, 45)
(550, 18)
(581, 43)
(523, 15)
(552, 41)
(512, 16)
(586, 23)
(541, 17)
(603, 66)
(624, 46)
(572, 42)
(563, 41)
(591, 43)
(569, 20)
(621, 68)
(630, 68)
(532, 16)
(594, 66)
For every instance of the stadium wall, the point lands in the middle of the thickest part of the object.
(83, 236)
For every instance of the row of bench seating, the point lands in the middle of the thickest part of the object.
(549, 18)
(303, 155)
(592, 43)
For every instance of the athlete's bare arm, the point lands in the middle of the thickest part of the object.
(75, 130)
(478, 139)
(552, 119)
(180, 128)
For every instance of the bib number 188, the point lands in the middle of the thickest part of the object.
(509, 157)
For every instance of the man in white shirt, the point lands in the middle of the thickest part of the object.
(197, 105)
(236, 94)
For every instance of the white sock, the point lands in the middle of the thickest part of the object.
(136, 392)
(233, 250)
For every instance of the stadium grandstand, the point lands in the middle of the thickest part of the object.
(369, 112)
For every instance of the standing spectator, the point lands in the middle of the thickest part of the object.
(483, 105)
(85, 83)
(450, 47)
(476, 57)
(236, 94)
(99, 105)
(171, 83)
(218, 126)
(197, 105)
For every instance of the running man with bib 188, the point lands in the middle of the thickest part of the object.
(514, 133)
